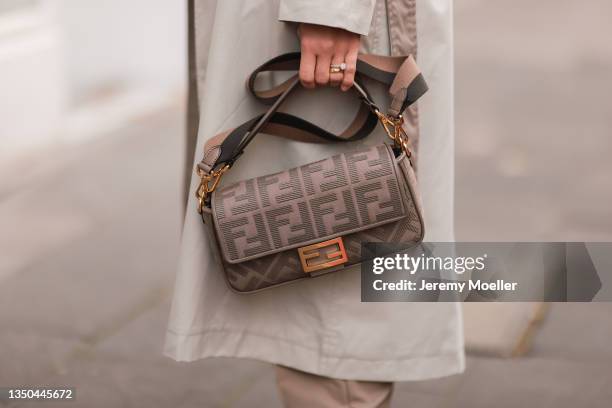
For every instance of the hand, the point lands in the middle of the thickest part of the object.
(322, 46)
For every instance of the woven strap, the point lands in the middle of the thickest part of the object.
(400, 74)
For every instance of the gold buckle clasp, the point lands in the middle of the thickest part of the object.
(311, 253)
(208, 184)
(395, 130)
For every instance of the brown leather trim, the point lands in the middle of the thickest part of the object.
(212, 150)
(383, 62)
(291, 133)
(357, 123)
(269, 95)
(405, 75)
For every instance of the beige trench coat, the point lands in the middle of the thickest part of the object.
(320, 325)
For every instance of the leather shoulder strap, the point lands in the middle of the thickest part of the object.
(400, 74)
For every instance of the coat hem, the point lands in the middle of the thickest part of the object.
(239, 344)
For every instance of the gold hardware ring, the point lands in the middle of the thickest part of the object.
(208, 184)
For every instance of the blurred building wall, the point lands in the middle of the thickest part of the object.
(130, 43)
(32, 87)
(69, 66)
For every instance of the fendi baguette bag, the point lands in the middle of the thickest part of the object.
(311, 219)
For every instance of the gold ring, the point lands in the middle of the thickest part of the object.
(336, 68)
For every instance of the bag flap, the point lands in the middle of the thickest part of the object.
(304, 205)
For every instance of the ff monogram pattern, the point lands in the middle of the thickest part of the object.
(284, 267)
(254, 203)
(336, 196)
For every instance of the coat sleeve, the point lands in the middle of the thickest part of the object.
(352, 15)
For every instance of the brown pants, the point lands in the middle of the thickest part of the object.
(303, 390)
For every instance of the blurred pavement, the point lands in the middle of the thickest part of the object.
(87, 271)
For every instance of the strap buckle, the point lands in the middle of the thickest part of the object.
(208, 184)
(393, 125)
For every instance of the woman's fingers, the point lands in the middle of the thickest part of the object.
(322, 69)
(321, 46)
(335, 78)
(315, 69)
(308, 63)
(351, 67)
